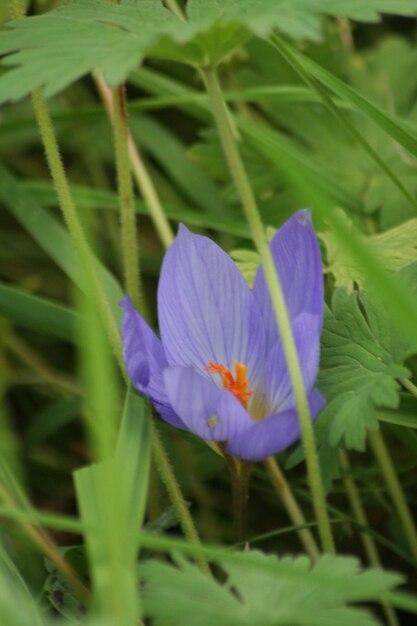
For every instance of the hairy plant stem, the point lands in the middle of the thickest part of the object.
(130, 251)
(177, 499)
(359, 513)
(143, 180)
(407, 384)
(394, 488)
(70, 214)
(75, 229)
(16, 9)
(237, 169)
(293, 509)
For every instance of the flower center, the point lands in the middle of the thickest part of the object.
(237, 384)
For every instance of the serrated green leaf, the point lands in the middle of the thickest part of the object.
(247, 262)
(59, 47)
(262, 597)
(396, 248)
(361, 360)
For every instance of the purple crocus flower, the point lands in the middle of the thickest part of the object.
(219, 369)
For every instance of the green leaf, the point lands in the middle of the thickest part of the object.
(89, 198)
(360, 362)
(37, 313)
(247, 262)
(17, 605)
(395, 127)
(185, 596)
(52, 237)
(62, 45)
(396, 248)
(60, 593)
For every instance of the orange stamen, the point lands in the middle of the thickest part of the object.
(238, 384)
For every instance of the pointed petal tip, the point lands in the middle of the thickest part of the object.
(183, 230)
(303, 217)
(125, 302)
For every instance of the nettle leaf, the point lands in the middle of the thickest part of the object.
(361, 359)
(396, 248)
(54, 49)
(259, 594)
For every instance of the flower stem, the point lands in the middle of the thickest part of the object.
(359, 513)
(407, 384)
(293, 508)
(16, 9)
(141, 174)
(70, 214)
(174, 492)
(77, 234)
(240, 472)
(130, 250)
(395, 490)
(247, 198)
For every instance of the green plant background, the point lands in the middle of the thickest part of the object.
(321, 100)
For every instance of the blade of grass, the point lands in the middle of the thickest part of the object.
(88, 198)
(37, 313)
(390, 124)
(287, 53)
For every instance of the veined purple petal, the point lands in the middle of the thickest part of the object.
(206, 311)
(145, 361)
(209, 412)
(273, 434)
(297, 259)
(143, 353)
(168, 415)
(278, 388)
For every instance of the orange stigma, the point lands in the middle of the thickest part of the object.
(238, 385)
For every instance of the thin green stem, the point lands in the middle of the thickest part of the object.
(327, 100)
(247, 198)
(395, 490)
(77, 234)
(174, 492)
(141, 175)
(130, 251)
(16, 9)
(74, 226)
(411, 387)
(292, 507)
(240, 472)
(70, 215)
(360, 516)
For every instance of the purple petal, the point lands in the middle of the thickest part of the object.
(298, 263)
(278, 388)
(143, 354)
(206, 311)
(209, 412)
(273, 434)
(145, 361)
(168, 415)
